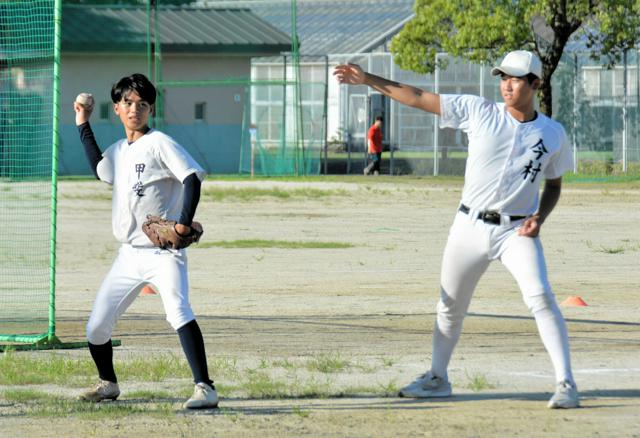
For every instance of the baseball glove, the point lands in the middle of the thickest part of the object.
(163, 234)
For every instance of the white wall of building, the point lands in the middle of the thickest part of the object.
(97, 73)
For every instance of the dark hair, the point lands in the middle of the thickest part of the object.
(379, 118)
(136, 82)
(531, 77)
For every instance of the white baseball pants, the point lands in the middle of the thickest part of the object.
(133, 268)
(472, 245)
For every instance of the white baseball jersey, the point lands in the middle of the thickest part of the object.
(507, 158)
(147, 179)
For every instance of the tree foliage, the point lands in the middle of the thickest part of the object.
(484, 30)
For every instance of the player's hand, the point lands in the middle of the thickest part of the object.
(531, 226)
(82, 113)
(351, 74)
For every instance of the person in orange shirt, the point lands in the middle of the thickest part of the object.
(374, 147)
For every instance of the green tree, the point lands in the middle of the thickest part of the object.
(484, 30)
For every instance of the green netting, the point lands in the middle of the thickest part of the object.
(282, 104)
(283, 128)
(597, 106)
(27, 101)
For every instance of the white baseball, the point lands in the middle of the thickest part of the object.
(86, 100)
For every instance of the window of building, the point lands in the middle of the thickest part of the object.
(606, 83)
(591, 82)
(201, 111)
(105, 110)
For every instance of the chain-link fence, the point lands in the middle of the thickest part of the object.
(286, 119)
(597, 106)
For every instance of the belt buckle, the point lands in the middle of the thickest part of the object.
(491, 216)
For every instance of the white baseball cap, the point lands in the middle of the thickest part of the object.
(519, 63)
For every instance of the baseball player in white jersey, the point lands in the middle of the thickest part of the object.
(512, 148)
(150, 174)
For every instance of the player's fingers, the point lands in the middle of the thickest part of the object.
(340, 70)
(347, 74)
(529, 228)
(347, 68)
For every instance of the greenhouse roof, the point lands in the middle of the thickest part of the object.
(333, 26)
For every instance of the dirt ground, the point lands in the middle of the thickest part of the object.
(371, 303)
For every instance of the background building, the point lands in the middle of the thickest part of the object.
(102, 44)
(245, 85)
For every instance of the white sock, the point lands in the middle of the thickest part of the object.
(553, 332)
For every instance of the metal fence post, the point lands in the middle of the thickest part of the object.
(436, 86)
(624, 112)
(574, 134)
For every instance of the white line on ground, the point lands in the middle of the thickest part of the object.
(581, 371)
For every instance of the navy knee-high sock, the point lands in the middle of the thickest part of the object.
(193, 346)
(103, 357)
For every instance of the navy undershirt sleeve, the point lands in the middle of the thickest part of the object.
(191, 198)
(91, 149)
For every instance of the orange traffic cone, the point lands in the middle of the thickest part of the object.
(574, 301)
(148, 290)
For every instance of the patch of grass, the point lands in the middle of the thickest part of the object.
(627, 245)
(51, 368)
(388, 361)
(377, 191)
(312, 389)
(603, 167)
(40, 404)
(99, 411)
(27, 369)
(365, 368)
(247, 194)
(153, 368)
(260, 385)
(223, 390)
(26, 396)
(328, 363)
(479, 382)
(283, 363)
(613, 250)
(352, 391)
(390, 389)
(281, 244)
(303, 413)
(224, 367)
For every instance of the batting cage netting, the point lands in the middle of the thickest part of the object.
(280, 103)
(29, 59)
(233, 86)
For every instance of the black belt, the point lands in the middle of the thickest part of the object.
(490, 217)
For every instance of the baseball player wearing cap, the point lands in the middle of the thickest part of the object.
(150, 174)
(512, 148)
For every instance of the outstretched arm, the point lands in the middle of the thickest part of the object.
(548, 200)
(353, 74)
